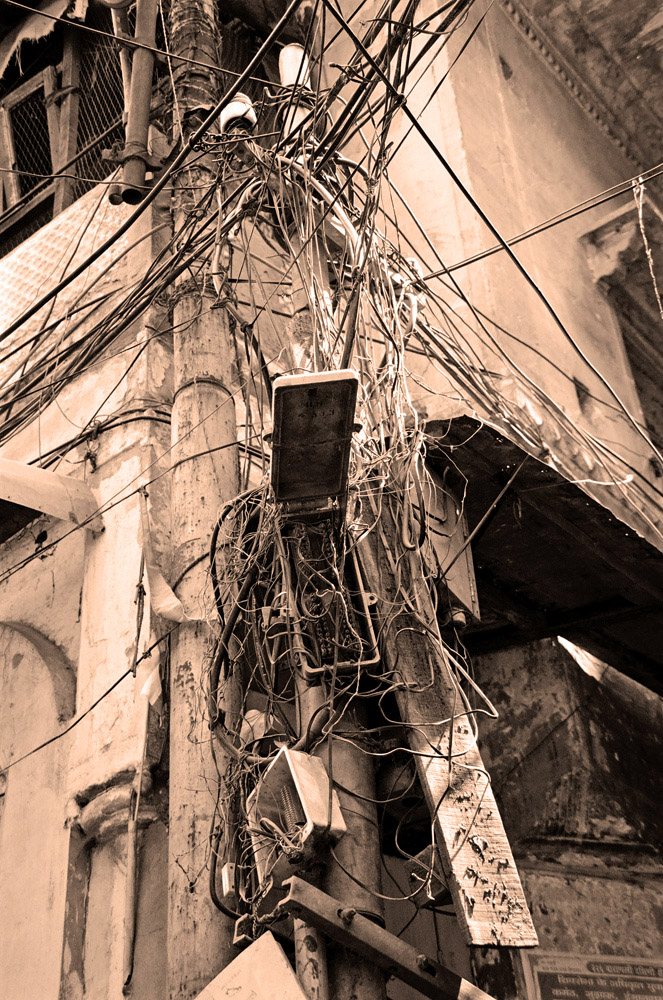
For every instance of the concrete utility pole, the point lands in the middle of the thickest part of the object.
(358, 861)
(205, 475)
(331, 972)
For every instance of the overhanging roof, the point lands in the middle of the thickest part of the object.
(552, 561)
(26, 491)
(30, 29)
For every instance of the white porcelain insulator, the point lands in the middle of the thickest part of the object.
(294, 66)
(240, 107)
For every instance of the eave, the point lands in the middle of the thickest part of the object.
(553, 561)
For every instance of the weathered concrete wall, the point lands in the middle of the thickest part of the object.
(33, 839)
(576, 762)
(64, 888)
(45, 594)
(616, 913)
(572, 756)
(511, 129)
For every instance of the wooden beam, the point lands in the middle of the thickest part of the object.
(25, 89)
(64, 192)
(478, 460)
(588, 617)
(10, 182)
(52, 115)
(634, 579)
(60, 496)
(488, 897)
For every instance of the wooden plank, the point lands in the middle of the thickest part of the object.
(10, 182)
(52, 116)
(60, 496)
(19, 94)
(64, 192)
(637, 581)
(484, 883)
(13, 218)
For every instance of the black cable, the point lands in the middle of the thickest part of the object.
(439, 84)
(108, 505)
(221, 651)
(463, 6)
(225, 512)
(170, 272)
(129, 43)
(493, 229)
(257, 59)
(618, 191)
(215, 843)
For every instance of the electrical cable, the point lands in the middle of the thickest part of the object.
(263, 51)
(503, 243)
(129, 43)
(616, 191)
(90, 708)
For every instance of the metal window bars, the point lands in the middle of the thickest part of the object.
(55, 122)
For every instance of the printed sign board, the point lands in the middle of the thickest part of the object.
(555, 976)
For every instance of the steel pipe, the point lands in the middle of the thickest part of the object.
(135, 154)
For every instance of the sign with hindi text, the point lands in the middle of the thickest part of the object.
(556, 976)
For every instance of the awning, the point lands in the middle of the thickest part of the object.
(552, 561)
(26, 491)
(34, 27)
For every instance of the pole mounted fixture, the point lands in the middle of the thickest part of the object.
(313, 420)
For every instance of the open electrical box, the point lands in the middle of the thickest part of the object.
(313, 417)
(313, 422)
(292, 811)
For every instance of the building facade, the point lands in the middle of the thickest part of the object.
(541, 399)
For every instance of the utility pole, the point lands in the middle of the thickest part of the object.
(353, 877)
(205, 475)
(337, 972)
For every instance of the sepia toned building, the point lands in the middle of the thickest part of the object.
(524, 181)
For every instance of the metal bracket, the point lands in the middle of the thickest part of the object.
(119, 154)
(397, 958)
(243, 934)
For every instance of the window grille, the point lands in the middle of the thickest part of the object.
(30, 134)
(101, 100)
(52, 118)
(25, 147)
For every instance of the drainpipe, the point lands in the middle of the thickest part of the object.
(131, 877)
(118, 9)
(135, 156)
